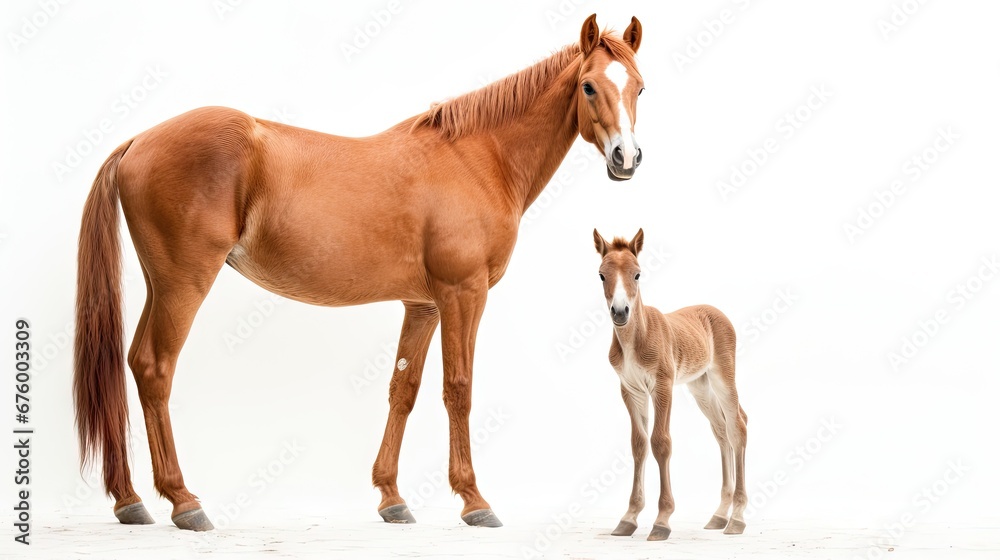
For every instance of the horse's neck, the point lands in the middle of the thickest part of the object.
(535, 143)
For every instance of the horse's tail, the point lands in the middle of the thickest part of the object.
(99, 365)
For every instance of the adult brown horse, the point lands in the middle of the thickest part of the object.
(426, 212)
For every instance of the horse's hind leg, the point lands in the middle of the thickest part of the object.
(419, 325)
(710, 407)
(128, 506)
(176, 291)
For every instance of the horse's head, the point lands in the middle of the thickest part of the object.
(608, 86)
(619, 273)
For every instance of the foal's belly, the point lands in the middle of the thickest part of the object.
(637, 379)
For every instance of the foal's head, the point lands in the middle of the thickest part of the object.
(620, 274)
(608, 86)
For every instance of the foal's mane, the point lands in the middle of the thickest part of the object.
(505, 99)
(619, 244)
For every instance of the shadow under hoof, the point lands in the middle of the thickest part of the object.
(194, 520)
(735, 528)
(659, 533)
(482, 518)
(398, 513)
(134, 514)
(717, 522)
(624, 529)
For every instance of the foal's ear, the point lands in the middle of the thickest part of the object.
(590, 35)
(600, 243)
(633, 34)
(636, 244)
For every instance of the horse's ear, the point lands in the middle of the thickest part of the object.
(590, 35)
(636, 244)
(600, 244)
(633, 34)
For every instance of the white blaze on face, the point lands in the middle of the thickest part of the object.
(618, 75)
(620, 299)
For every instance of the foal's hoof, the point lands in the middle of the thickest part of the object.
(482, 518)
(624, 529)
(717, 522)
(735, 528)
(134, 514)
(659, 533)
(194, 520)
(398, 513)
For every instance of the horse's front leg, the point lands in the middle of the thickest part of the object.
(419, 324)
(461, 307)
(660, 440)
(637, 403)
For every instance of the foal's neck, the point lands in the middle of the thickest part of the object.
(634, 334)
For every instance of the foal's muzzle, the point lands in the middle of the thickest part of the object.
(619, 315)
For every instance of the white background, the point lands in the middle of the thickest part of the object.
(319, 377)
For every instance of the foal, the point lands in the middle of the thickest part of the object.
(651, 351)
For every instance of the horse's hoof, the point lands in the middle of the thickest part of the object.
(624, 529)
(398, 513)
(134, 514)
(735, 528)
(482, 518)
(194, 520)
(717, 522)
(659, 533)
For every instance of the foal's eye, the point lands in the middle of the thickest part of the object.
(589, 89)
(601, 275)
(640, 92)
(636, 275)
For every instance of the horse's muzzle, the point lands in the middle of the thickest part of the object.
(616, 164)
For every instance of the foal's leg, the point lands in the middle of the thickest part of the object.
(660, 439)
(461, 307)
(174, 300)
(637, 404)
(722, 378)
(418, 328)
(709, 405)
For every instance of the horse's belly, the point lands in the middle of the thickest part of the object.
(319, 278)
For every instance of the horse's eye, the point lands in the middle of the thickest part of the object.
(589, 89)
(636, 275)
(640, 92)
(601, 275)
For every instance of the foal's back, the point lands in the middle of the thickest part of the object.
(693, 339)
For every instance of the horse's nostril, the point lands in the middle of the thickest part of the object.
(626, 309)
(638, 156)
(618, 156)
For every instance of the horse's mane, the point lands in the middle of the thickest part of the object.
(503, 100)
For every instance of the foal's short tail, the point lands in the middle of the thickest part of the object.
(724, 335)
(99, 366)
